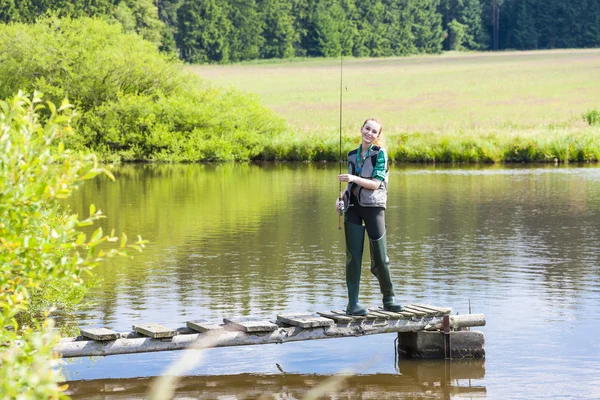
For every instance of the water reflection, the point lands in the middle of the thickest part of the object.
(521, 245)
(432, 379)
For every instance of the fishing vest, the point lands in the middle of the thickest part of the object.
(367, 197)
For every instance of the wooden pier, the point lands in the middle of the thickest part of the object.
(284, 328)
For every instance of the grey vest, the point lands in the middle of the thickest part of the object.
(366, 197)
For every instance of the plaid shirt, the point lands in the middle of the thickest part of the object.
(380, 167)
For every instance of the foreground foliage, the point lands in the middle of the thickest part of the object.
(41, 246)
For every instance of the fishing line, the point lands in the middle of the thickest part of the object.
(340, 201)
(341, 97)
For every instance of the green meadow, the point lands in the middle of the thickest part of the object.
(490, 107)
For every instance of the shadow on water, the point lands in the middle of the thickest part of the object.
(417, 379)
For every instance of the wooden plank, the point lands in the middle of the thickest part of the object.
(415, 311)
(426, 310)
(251, 324)
(397, 315)
(444, 310)
(355, 318)
(154, 330)
(100, 334)
(378, 314)
(368, 317)
(336, 317)
(202, 325)
(304, 320)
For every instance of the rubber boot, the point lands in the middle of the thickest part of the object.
(355, 241)
(380, 267)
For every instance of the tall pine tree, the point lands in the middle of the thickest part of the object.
(279, 34)
(203, 30)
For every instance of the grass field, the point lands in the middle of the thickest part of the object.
(446, 97)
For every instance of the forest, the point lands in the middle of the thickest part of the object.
(224, 31)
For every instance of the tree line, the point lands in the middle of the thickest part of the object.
(237, 30)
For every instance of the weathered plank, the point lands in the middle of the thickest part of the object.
(444, 310)
(304, 320)
(154, 330)
(202, 325)
(426, 310)
(335, 317)
(396, 315)
(251, 324)
(100, 334)
(378, 314)
(413, 310)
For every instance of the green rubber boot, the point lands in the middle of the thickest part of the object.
(380, 267)
(355, 241)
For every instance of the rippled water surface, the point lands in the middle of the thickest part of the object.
(522, 245)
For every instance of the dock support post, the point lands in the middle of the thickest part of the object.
(427, 344)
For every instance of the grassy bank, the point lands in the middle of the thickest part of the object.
(485, 107)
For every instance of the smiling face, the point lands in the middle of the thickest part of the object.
(370, 132)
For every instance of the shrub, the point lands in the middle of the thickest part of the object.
(134, 102)
(592, 117)
(41, 246)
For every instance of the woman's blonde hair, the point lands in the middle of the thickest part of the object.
(379, 140)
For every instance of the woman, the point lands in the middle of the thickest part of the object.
(365, 201)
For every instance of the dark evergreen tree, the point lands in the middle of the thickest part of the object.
(469, 14)
(325, 29)
(523, 33)
(403, 41)
(427, 27)
(202, 31)
(279, 35)
(245, 37)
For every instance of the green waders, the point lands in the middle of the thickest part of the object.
(355, 241)
(380, 267)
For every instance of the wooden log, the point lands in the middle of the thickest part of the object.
(459, 321)
(81, 348)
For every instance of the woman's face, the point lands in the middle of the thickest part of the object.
(370, 131)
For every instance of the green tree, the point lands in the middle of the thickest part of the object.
(469, 14)
(402, 38)
(140, 16)
(427, 28)
(280, 38)
(203, 30)
(523, 34)
(245, 37)
(325, 28)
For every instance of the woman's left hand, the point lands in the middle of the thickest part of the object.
(347, 178)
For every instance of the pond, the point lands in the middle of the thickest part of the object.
(520, 244)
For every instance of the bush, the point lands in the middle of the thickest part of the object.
(41, 246)
(592, 117)
(135, 103)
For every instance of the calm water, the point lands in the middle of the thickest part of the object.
(521, 244)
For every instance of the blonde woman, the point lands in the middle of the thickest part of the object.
(364, 202)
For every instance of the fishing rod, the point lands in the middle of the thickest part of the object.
(340, 202)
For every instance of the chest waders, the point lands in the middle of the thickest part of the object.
(354, 231)
(380, 267)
